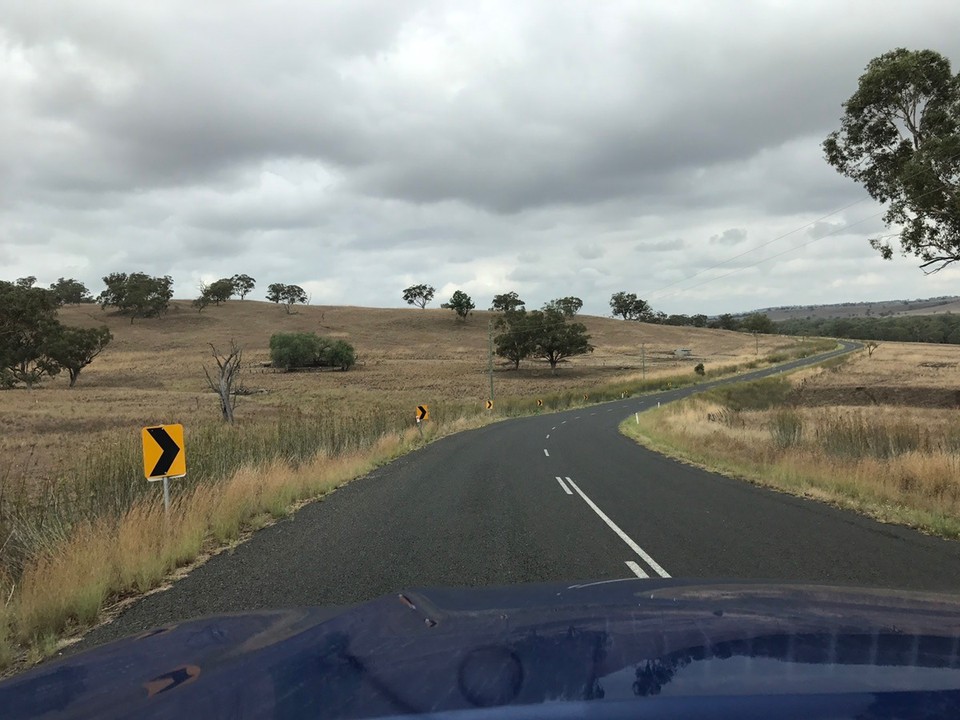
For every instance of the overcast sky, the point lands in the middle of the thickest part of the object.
(357, 147)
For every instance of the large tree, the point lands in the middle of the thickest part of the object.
(243, 285)
(506, 302)
(557, 339)
(28, 321)
(569, 305)
(289, 295)
(73, 348)
(517, 339)
(70, 292)
(419, 295)
(630, 307)
(900, 138)
(461, 304)
(137, 294)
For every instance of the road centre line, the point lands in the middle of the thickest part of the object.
(548, 436)
(567, 490)
(545, 452)
(637, 570)
(623, 536)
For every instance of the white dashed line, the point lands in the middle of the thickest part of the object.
(623, 536)
(592, 414)
(548, 436)
(545, 452)
(637, 570)
(564, 422)
(567, 490)
(554, 427)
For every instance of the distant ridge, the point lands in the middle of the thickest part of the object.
(879, 308)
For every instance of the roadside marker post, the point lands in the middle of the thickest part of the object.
(423, 413)
(164, 456)
(489, 404)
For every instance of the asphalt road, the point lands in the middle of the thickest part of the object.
(558, 497)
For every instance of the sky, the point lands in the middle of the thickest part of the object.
(552, 148)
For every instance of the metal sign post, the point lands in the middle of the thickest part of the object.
(164, 457)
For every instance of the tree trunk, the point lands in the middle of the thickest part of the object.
(553, 365)
(74, 374)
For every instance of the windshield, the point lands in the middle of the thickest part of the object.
(314, 305)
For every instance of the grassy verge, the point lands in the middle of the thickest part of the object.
(98, 533)
(896, 464)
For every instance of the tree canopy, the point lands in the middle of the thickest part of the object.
(289, 295)
(33, 342)
(461, 304)
(70, 292)
(569, 305)
(899, 137)
(630, 307)
(506, 302)
(138, 295)
(419, 295)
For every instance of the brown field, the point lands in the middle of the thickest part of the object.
(877, 434)
(152, 372)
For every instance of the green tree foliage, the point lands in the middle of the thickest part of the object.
(461, 304)
(243, 285)
(569, 305)
(757, 323)
(699, 320)
(138, 295)
(630, 307)
(289, 295)
(724, 322)
(419, 295)
(28, 321)
(900, 138)
(506, 302)
(74, 348)
(34, 344)
(26, 282)
(70, 292)
(303, 350)
(943, 328)
(215, 293)
(556, 338)
(517, 339)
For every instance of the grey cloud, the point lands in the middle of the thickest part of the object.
(361, 142)
(733, 236)
(591, 251)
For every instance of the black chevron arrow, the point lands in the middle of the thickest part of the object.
(170, 451)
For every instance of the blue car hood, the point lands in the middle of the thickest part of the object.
(672, 648)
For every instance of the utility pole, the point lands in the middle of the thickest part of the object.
(643, 359)
(490, 355)
(756, 336)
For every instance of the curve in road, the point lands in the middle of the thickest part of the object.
(559, 497)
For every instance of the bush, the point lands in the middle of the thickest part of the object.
(300, 350)
(699, 370)
(293, 350)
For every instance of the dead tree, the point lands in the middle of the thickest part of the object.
(228, 369)
(871, 346)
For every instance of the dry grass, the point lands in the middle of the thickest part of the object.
(66, 587)
(83, 528)
(152, 372)
(897, 463)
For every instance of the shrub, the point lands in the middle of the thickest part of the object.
(299, 350)
(292, 350)
(699, 370)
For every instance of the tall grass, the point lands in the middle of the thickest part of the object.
(97, 530)
(897, 464)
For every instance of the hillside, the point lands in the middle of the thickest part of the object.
(881, 308)
(153, 370)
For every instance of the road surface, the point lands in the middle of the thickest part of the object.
(557, 497)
